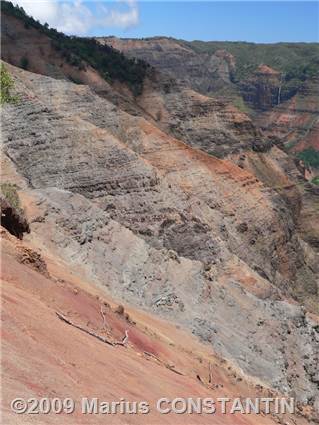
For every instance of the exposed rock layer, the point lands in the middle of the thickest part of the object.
(12, 219)
(43, 356)
(196, 239)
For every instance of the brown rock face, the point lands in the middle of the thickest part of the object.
(262, 91)
(212, 125)
(204, 73)
(159, 224)
(295, 122)
(215, 75)
(278, 116)
(58, 359)
(294, 125)
(12, 219)
(125, 191)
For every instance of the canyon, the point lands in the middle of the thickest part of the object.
(168, 199)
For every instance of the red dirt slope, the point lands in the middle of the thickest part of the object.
(43, 356)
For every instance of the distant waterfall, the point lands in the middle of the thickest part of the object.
(279, 89)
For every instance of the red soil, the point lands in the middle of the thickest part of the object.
(44, 357)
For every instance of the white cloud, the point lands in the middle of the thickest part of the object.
(124, 19)
(75, 17)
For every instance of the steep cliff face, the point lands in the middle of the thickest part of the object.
(150, 159)
(164, 226)
(43, 356)
(115, 185)
(229, 69)
(262, 90)
(294, 123)
(215, 126)
(204, 73)
(282, 102)
(277, 78)
(212, 125)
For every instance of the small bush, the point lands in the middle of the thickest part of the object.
(6, 86)
(9, 191)
(310, 157)
(315, 180)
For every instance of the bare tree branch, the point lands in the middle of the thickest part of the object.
(100, 338)
(210, 376)
(103, 317)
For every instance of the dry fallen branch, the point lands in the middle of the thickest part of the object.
(100, 338)
(168, 366)
(172, 368)
(152, 355)
(115, 343)
(125, 338)
(210, 377)
(103, 317)
(200, 380)
(68, 321)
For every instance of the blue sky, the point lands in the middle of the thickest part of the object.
(258, 21)
(248, 21)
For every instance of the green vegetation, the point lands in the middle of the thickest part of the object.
(6, 86)
(310, 157)
(315, 180)
(9, 192)
(296, 61)
(80, 51)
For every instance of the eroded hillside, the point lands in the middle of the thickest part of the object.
(122, 191)
(43, 356)
(279, 78)
(190, 237)
(275, 90)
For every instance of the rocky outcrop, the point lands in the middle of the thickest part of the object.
(211, 69)
(12, 219)
(125, 190)
(309, 226)
(196, 239)
(294, 123)
(203, 122)
(54, 353)
(204, 73)
(32, 259)
(136, 165)
(229, 306)
(282, 114)
(262, 91)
